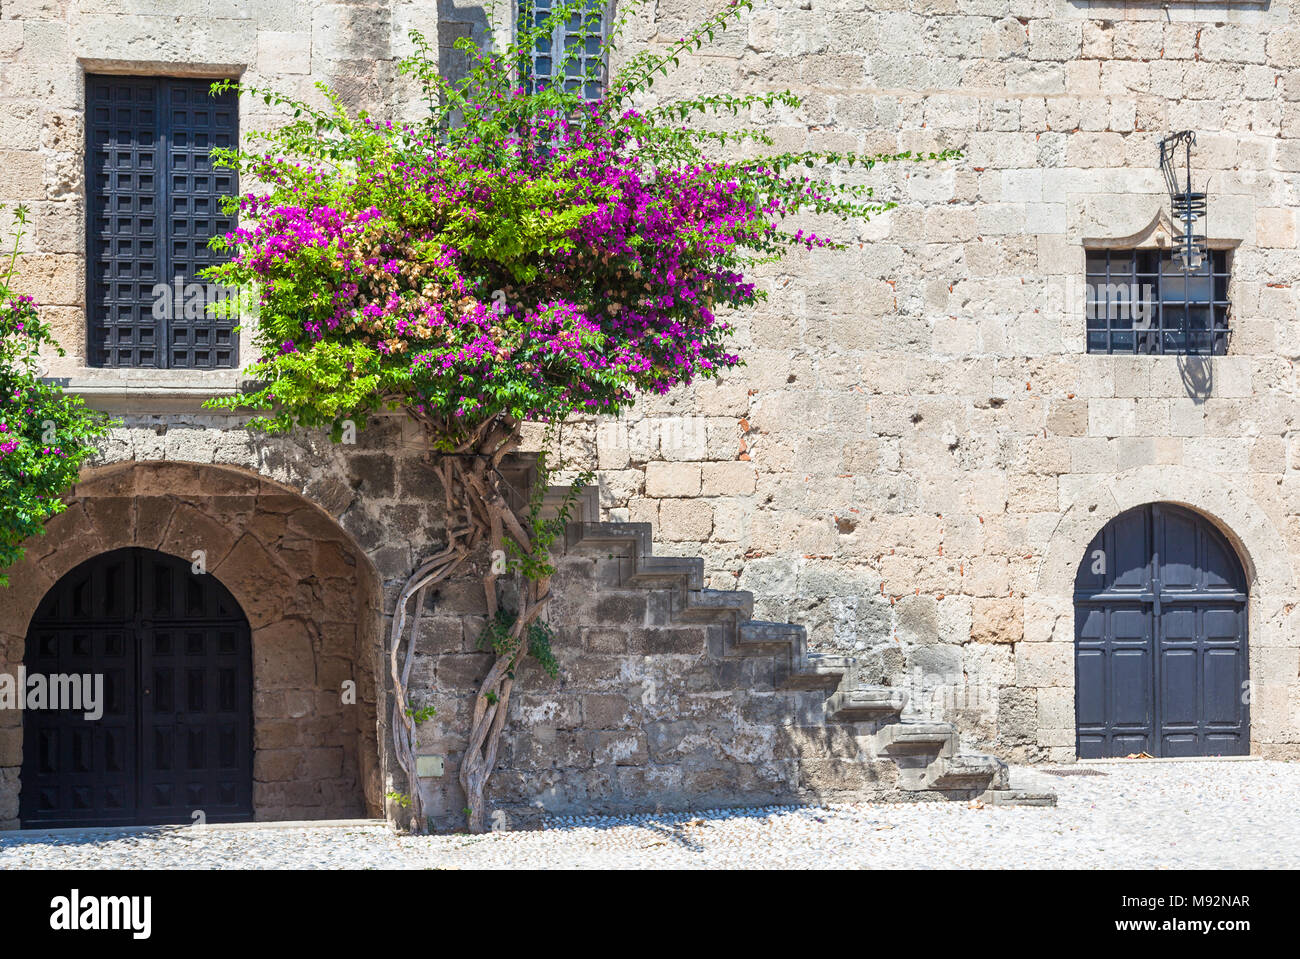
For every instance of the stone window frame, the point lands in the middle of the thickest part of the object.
(1158, 235)
(1173, 11)
(144, 390)
(165, 150)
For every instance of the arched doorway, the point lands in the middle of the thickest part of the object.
(175, 737)
(1160, 639)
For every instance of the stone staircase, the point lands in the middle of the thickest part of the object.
(823, 689)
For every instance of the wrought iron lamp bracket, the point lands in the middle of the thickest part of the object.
(1187, 208)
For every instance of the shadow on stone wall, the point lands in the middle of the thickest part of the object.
(1197, 374)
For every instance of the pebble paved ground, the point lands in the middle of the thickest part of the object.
(1143, 815)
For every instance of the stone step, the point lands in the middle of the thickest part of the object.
(646, 569)
(1017, 797)
(974, 771)
(924, 752)
(784, 642)
(910, 738)
(585, 507)
(758, 632)
(817, 671)
(667, 571)
(637, 535)
(865, 703)
(709, 605)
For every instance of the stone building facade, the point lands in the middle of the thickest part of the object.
(913, 464)
(920, 450)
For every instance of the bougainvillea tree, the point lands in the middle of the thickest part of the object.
(45, 435)
(518, 254)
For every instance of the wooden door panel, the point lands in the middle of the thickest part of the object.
(176, 732)
(1161, 646)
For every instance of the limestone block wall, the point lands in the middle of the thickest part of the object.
(48, 46)
(309, 598)
(918, 429)
(649, 712)
(918, 449)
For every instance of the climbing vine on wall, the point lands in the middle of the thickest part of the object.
(45, 435)
(515, 254)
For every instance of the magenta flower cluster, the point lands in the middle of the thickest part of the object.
(540, 271)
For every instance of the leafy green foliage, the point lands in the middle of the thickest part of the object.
(45, 435)
(535, 563)
(421, 714)
(498, 638)
(516, 252)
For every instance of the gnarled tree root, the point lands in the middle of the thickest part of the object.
(477, 505)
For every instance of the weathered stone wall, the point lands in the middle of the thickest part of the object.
(656, 705)
(46, 49)
(313, 539)
(918, 425)
(660, 705)
(918, 450)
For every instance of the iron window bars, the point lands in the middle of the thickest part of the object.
(153, 202)
(1142, 301)
(573, 46)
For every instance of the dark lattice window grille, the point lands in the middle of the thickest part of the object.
(571, 50)
(1142, 301)
(154, 201)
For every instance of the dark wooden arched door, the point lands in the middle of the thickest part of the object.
(176, 734)
(1160, 639)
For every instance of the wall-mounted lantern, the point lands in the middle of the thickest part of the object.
(1186, 208)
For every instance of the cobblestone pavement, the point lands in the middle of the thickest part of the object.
(1144, 815)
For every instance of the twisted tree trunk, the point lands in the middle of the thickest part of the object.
(477, 510)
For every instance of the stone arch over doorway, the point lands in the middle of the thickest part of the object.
(158, 661)
(312, 599)
(1161, 639)
(1045, 660)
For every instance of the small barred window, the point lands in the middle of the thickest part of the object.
(570, 51)
(1141, 301)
